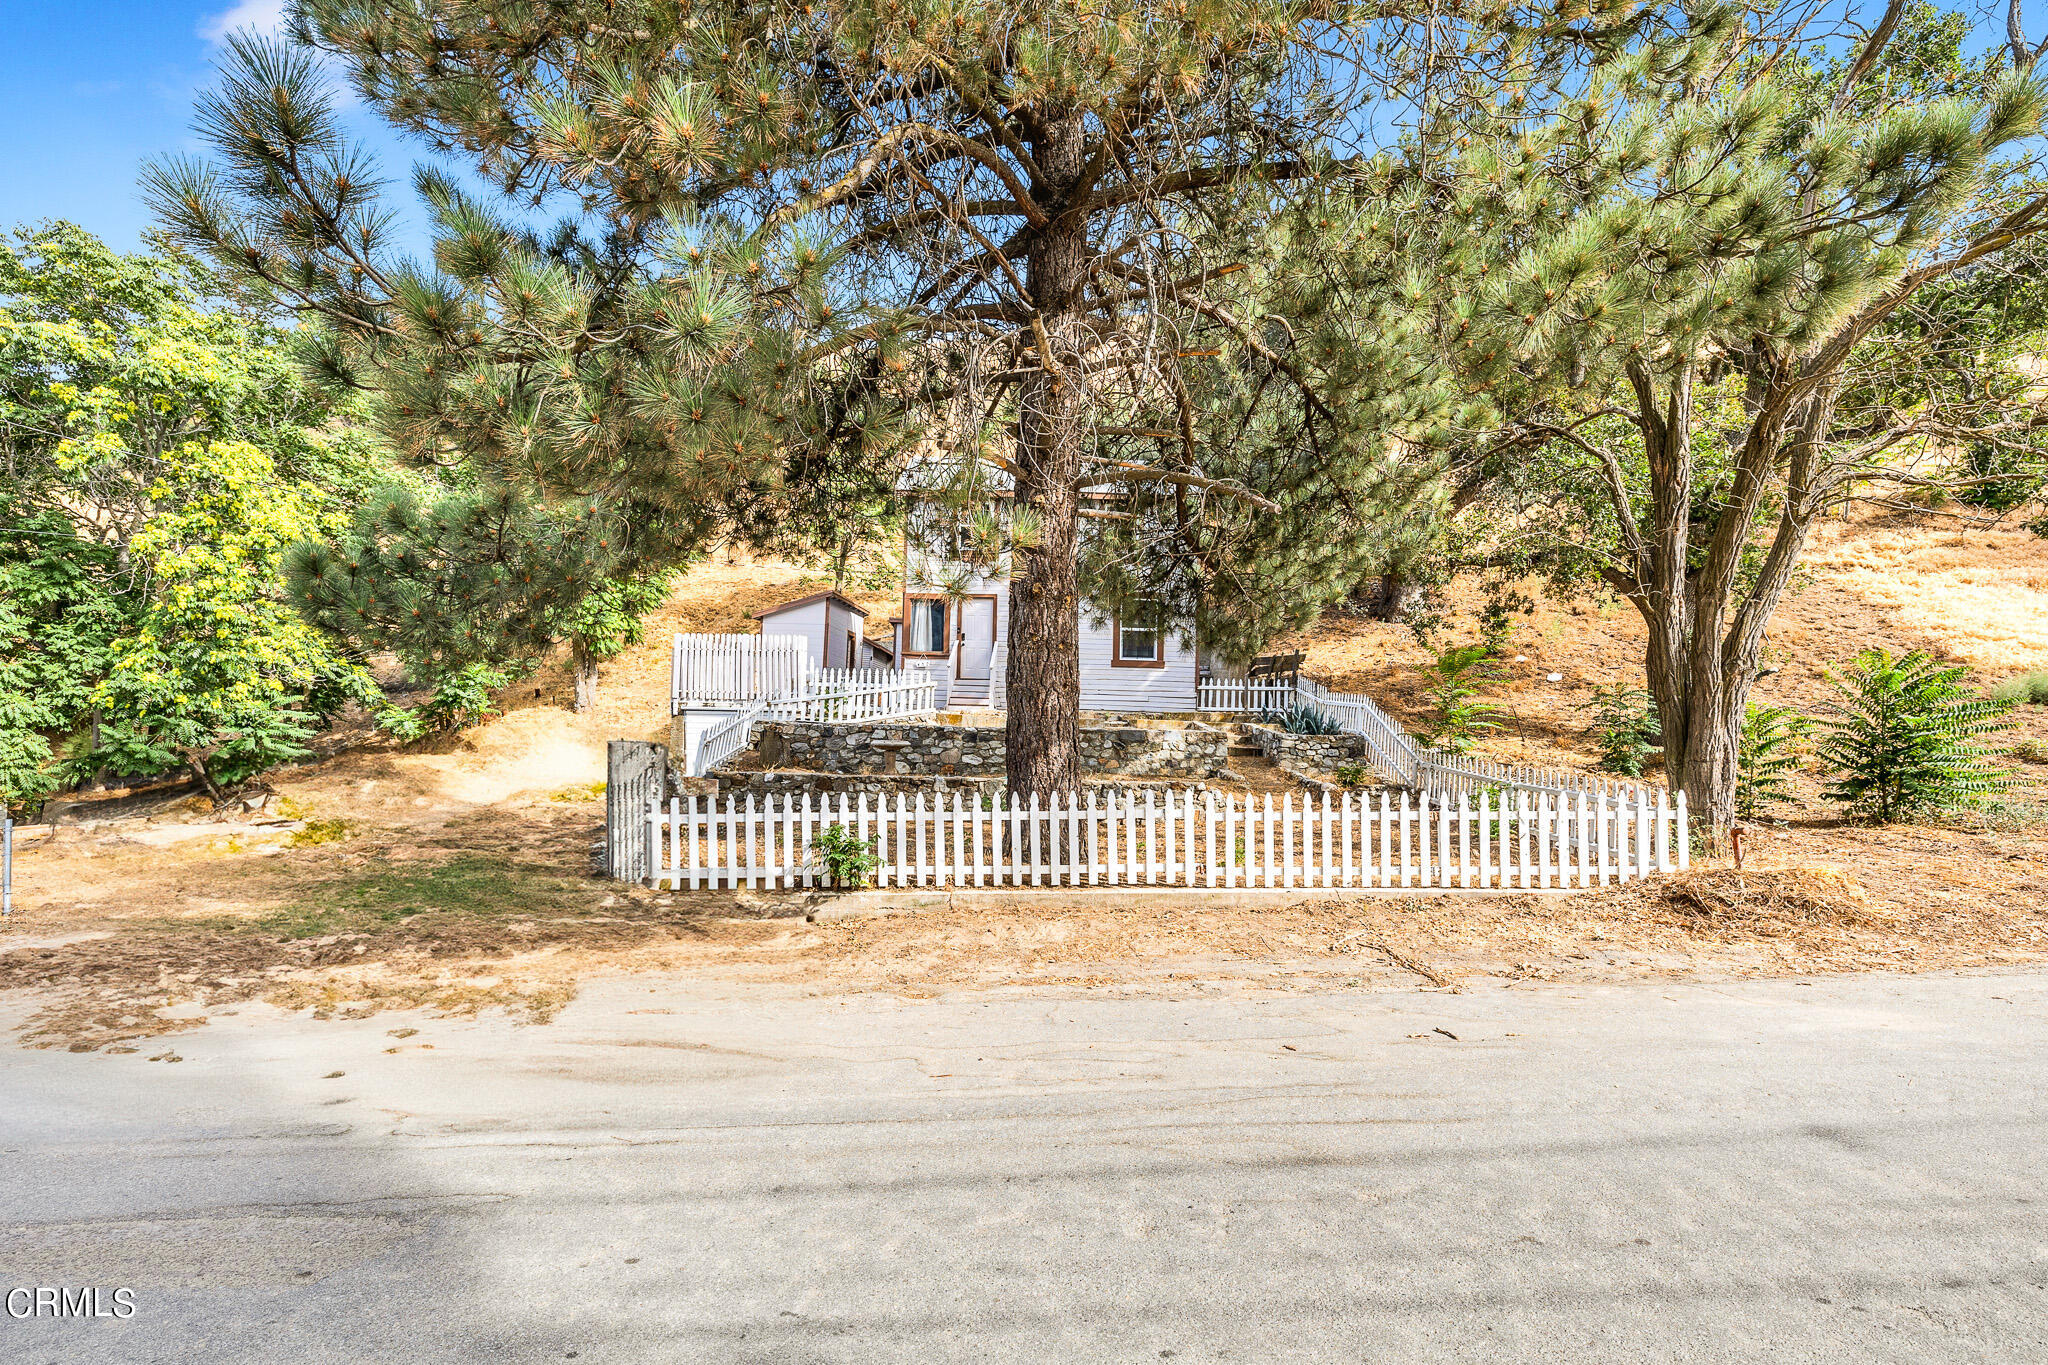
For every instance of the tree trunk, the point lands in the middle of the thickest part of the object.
(1702, 657)
(197, 763)
(1393, 594)
(586, 678)
(1042, 685)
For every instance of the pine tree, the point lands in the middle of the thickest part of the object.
(455, 579)
(1091, 251)
(1694, 311)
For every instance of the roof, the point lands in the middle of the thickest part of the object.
(829, 594)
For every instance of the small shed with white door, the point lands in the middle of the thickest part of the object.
(833, 627)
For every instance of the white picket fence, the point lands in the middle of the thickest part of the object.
(837, 694)
(1396, 753)
(712, 669)
(1184, 838)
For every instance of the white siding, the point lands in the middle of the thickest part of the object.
(1104, 687)
(838, 621)
(807, 621)
(823, 625)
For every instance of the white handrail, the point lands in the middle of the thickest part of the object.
(1395, 753)
(835, 694)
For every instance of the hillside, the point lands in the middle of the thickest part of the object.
(1893, 581)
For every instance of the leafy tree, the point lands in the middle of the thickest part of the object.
(1905, 737)
(1096, 257)
(607, 622)
(160, 455)
(58, 621)
(1698, 283)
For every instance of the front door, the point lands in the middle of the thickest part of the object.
(977, 637)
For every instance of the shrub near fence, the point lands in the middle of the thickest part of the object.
(1516, 840)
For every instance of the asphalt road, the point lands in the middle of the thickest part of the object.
(1847, 1170)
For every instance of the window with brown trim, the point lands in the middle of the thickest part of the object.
(1140, 641)
(925, 620)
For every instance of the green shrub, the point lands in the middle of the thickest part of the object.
(2010, 478)
(1351, 774)
(1766, 755)
(1455, 677)
(2030, 689)
(461, 699)
(846, 858)
(1625, 728)
(2030, 751)
(1906, 737)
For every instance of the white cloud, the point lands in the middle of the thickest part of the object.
(265, 16)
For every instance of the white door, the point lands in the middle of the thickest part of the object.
(977, 637)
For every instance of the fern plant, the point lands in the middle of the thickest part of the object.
(1455, 677)
(1906, 737)
(847, 858)
(1765, 757)
(1626, 729)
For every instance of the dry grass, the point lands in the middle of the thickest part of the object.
(487, 911)
(1894, 581)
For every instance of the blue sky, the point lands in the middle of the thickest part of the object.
(90, 89)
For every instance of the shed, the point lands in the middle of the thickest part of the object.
(832, 626)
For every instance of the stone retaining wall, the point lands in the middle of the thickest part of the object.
(918, 749)
(1319, 752)
(938, 790)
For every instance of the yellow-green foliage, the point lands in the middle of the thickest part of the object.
(317, 832)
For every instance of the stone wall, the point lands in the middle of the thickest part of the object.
(937, 791)
(781, 785)
(1322, 753)
(913, 748)
(1149, 751)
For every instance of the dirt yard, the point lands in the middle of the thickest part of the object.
(455, 875)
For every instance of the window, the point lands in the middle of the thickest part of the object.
(924, 626)
(1140, 639)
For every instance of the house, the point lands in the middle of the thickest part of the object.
(956, 622)
(834, 629)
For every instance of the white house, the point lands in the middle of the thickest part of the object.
(960, 631)
(834, 629)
